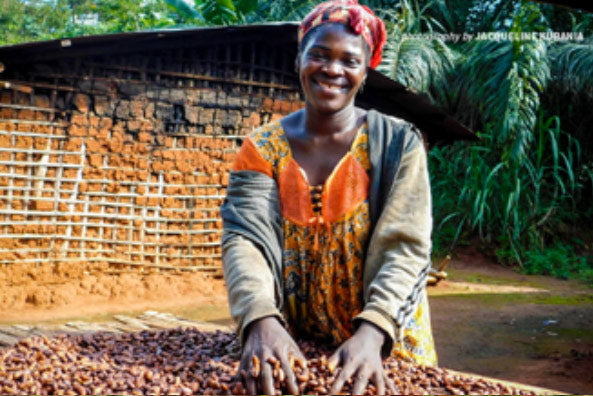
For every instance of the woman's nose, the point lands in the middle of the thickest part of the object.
(332, 67)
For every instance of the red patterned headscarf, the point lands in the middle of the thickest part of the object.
(360, 18)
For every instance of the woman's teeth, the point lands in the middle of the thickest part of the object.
(331, 87)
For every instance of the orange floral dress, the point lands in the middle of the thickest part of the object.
(326, 230)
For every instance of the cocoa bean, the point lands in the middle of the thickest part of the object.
(187, 361)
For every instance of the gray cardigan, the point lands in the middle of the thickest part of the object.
(398, 254)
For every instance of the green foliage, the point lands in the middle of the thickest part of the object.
(508, 76)
(517, 205)
(410, 59)
(560, 261)
(34, 20)
(286, 10)
(215, 12)
(572, 63)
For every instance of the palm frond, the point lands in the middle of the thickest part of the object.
(416, 62)
(572, 65)
(508, 77)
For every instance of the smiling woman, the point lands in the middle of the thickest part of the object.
(327, 220)
(332, 67)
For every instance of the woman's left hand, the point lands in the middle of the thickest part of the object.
(360, 358)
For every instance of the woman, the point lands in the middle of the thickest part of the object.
(327, 219)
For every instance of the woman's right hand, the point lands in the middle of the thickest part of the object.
(267, 338)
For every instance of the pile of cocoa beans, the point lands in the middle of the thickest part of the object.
(188, 362)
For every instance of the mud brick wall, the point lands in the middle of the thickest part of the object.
(124, 160)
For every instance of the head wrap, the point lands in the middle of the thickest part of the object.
(348, 12)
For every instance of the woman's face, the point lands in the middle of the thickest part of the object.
(332, 66)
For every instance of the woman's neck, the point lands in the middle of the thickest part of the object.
(322, 124)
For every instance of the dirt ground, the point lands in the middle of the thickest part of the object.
(487, 319)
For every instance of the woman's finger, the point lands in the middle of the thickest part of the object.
(266, 379)
(379, 380)
(249, 382)
(334, 360)
(291, 382)
(389, 386)
(346, 373)
(361, 380)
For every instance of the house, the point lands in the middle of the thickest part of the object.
(115, 150)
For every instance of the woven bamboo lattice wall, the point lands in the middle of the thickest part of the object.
(124, 159)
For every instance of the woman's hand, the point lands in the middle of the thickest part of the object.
(267, 338)
(360, 356)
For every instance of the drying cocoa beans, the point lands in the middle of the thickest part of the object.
(188, 362)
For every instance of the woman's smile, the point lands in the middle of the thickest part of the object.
(331, 87)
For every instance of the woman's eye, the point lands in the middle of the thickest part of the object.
(316, 55)
(352, 62)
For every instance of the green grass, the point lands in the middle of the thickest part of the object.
(470, 277)
(502, 299)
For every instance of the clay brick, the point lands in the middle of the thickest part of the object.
(40, 144)
(255, 119)
(209, 97)
(142, 175)
(42, 205)
(297, 106)
(41, 101)
(231, 119)
(116, 144)
(76, 130)
(285, 106)
(268, 104)
(96, 160)
(141, 148)
(93, 146)
(81, 101)
(144, 137)
(205, 116)
(192, 114)
(122, 109)
(73, 144)
(134, 125)
(105, 122)
(25, 114)
(137, 108)
(94, 121)
(104, 134)
(6, 97)
(130, 89)
(164, 111)
(103, 106)
(80, 120)
(157, 166)
(177, 96)
(149, 110)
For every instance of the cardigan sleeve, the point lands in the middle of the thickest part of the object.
(252, 239)
(398, 256)
(249, 281)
